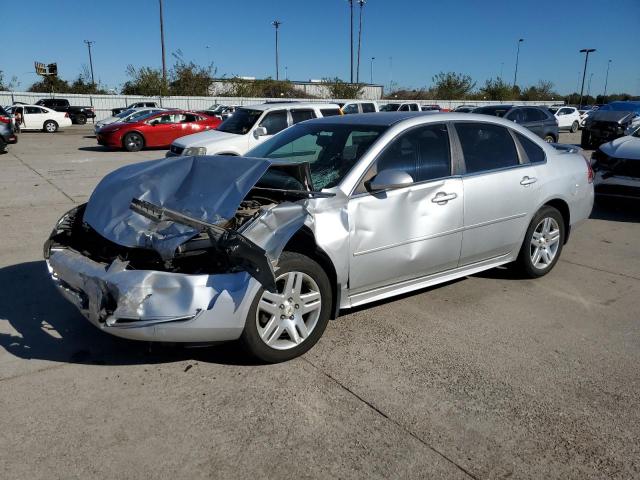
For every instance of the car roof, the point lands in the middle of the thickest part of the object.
(273, 106)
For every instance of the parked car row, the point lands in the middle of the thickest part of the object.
(37, 117)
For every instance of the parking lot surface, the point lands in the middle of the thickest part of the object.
(485, 377)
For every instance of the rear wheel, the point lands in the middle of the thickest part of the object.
(133, 142)
(81, 119)
(285, 324)
(50, 126)
(574, 126)
(542, 244)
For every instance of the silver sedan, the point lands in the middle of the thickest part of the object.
(329, 214)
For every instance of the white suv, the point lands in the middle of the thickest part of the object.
(568, 118)
(248, 127)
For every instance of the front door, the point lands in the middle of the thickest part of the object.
(163, 130)
(34, 118)
(274, 121)
(500, 192)
(408, 232)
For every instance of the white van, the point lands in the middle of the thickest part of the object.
(248, 127)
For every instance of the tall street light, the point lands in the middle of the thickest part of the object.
(586, 51)
(89, 43)
(164, 63)
(361, 3)
(351, 37)
(606, 81)
(371, 70)
(515, 75)
(276, 24)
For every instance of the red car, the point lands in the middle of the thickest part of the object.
(156, 130)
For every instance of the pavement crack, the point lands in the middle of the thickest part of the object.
(33, 372)
(603, 270)
(43, 177)
(395, 422)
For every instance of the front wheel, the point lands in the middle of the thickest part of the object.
(285, 324)
(542, 244)
(50, 126)
(549, 139)
(133, 142)
(574, 126)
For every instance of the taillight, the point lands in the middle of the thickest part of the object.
(66, 114)
(5, 120)
(589, 171)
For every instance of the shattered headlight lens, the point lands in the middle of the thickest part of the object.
(193, 151)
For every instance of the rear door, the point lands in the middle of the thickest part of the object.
(500, 191)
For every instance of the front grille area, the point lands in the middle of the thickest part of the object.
(618, 190)
(616, 166)
(177, 150)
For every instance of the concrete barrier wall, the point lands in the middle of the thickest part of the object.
(104, 103)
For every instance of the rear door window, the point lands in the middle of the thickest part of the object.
(329, 112)
(368, 108)
(414, 107)
(275, 121)
(534, 115)
(300, 115)
(486, 147)
(350, 108)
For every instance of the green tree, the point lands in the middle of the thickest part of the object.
(50, 83)
(341, 89)
(145, 81)
(240, 87)
(190, 79)
(452, 86)
(496, 89)
(543, 90)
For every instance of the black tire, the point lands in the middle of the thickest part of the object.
(525, 262)
(250, 339)
(133, 142)
(574, 126)
(585, 139)
(50, 126)
(81, 119)
(549, 138)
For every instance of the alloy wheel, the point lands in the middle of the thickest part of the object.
(287, 317)
(545, 241)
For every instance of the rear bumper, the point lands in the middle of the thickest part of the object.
(154, 305)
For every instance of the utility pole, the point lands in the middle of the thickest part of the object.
(361, 3)
(372, 59)
(586, 51)
(351, 37)
(164, 63)
(276, 24)
(606, 81)
(589, 84)
(89, 43)
(515, 76)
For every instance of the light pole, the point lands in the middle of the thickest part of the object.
(361, 3)
(371, 70)
(589, 84)
(515, 75)
(351, 37)
(89, 43)
(586, 51)
(164, 63)
(276, 24)
(286, 72)
(606, 81)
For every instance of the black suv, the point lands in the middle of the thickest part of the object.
(539, 120)
(609, 122)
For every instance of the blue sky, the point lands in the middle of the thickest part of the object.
(423, 37)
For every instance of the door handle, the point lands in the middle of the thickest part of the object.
(442, 198)
(526, 181)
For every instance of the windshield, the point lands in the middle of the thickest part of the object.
(124, 113)
(390, 107)
(141, 116)
(498, 111)
(241, 121)
(622, 107)
(331, 150)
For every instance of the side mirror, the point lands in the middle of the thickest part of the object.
(260, 132)
(388, 179)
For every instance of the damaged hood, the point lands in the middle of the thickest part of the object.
(611, 116)
(207, 188)
(627, 148)
(204, 139)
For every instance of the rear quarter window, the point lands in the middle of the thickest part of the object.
(533, 151)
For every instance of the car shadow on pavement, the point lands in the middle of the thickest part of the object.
(618, 210)
(47, 327)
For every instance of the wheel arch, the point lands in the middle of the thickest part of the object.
(304, 242)
(563, 208)
(144, 140)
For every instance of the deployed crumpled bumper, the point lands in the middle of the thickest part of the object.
(154, 305)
